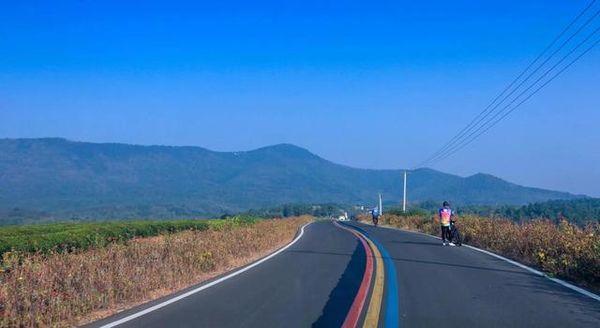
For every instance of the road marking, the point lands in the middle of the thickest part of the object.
(203, 287)
(539, 273)
(392, 308)
(392, 319)
(372, 316)
(353, 315)
(520, 265)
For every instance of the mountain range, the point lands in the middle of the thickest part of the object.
(58, 177)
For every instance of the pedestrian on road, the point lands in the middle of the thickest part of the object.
(446, 215)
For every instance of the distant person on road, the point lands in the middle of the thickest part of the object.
(446, 215)
(375, 215)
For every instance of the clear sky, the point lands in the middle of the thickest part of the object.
(369, 84)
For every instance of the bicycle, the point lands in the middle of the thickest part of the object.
(375, 220)
(455, 236)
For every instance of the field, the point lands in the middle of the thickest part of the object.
(66, 237)
(563, 250)
(67, 286)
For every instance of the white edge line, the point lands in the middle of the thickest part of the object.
(203, 287)
(522, 266)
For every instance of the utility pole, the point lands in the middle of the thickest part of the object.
(380, 205)
(404, 198)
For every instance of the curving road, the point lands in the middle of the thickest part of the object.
(357, 275)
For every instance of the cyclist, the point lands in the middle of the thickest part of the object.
(446, 216)
(375, 215)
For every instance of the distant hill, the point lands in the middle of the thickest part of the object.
(57, 177)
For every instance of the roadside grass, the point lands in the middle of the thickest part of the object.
(67, 237)
(562, 250)
(71, 288)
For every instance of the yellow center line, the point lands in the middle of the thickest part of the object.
(372, 316)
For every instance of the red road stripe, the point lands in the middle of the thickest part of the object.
(353, 315)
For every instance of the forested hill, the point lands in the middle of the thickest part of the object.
(55, 175)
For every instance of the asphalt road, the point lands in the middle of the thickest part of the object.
(315, 283)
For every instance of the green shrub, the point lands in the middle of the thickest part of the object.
(410, 212)
(61, 237)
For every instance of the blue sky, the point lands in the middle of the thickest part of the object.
(369, 84)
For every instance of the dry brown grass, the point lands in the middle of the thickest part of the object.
(562, 250)
(68, 289)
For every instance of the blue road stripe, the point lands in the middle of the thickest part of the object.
(392, 305)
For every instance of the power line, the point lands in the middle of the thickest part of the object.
(481, 115)
(525, 99)
(475, 125)
(483, 126)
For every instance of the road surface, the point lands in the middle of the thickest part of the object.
(357, 275)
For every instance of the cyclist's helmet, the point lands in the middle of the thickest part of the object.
(445, 204)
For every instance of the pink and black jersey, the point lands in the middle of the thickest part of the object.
(445, 216)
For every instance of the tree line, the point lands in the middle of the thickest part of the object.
(578, 211)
